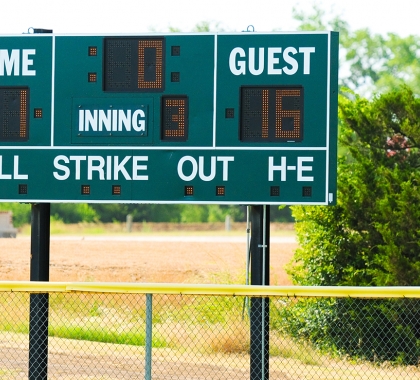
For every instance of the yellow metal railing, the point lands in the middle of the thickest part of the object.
(227, 290)
(144, 331)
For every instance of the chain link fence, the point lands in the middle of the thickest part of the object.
(127, 331)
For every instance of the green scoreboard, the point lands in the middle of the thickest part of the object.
(244, 118)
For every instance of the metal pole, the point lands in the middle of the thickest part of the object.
(149, 332)
(264, 251)
(248, 234)
(260, 275)
(38, 308)
(248, 231)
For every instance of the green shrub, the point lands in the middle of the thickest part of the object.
(373, 330)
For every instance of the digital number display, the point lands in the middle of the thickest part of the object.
(14, 114)
(270, 114)
(134, 64)
(174, 118)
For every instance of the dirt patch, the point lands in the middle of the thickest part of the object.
(80, 259)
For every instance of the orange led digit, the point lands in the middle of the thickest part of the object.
(150, 64)
(14, 114)
(134, 64)
(288, 121)
(174, 118)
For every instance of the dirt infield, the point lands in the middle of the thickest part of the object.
(78, 258)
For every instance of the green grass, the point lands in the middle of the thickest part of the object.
(14, 327)
(118, 229)
(104, 336)
(9, 374)
(285, 347)
(92, 334)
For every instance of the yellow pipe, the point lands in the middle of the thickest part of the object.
(228, 290)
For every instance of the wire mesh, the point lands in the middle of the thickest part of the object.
(173, 336)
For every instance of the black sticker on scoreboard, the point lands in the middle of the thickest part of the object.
(271, 114)
(174, 118)
(14, 113)
(134, 64)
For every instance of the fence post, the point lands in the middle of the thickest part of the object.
(228, 225)
(260, 275)
(38, 305)
(149, 332)
(129, 223)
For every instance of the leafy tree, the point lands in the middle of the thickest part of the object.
(140, 212)
(73, 212)
(212, 213)
(369, 62)
(194, 213)
(208, 26)
(372, 236)
(21, 212)
(66, 212)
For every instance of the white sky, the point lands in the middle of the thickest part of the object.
(139, 16)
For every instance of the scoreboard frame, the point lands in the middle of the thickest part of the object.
(226, 118)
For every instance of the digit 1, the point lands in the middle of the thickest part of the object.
(264, 116)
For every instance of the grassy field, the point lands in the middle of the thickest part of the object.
(171, 229)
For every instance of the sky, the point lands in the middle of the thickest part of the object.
(144, 16)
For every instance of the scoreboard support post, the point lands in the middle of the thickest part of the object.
(260, 275)
(40, 271)
(39, 303)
